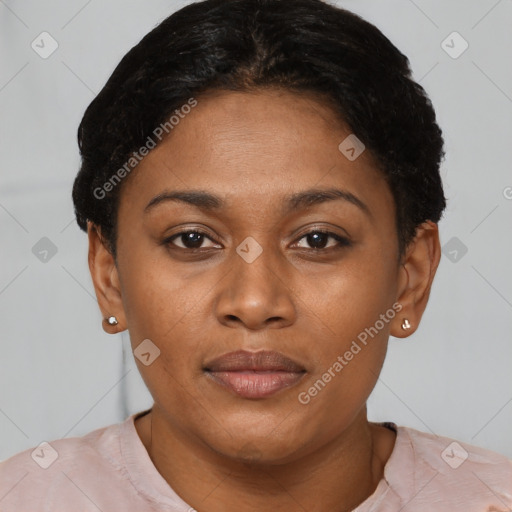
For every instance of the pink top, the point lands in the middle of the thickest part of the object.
(109, 470)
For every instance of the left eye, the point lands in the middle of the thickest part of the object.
(320, 239)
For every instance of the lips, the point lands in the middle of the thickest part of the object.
(254, 374)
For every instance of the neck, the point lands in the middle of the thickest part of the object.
(337, 476)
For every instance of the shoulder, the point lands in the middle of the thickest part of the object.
(63, 452)
(455, 473)
(34, 477)
(448, 455)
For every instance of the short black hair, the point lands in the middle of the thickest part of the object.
(304, 46)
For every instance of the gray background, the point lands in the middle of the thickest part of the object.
(61, 375)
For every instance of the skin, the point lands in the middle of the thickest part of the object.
(218, 451)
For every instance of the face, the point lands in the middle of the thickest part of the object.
(268, 263)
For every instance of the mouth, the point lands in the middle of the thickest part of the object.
(254, 375)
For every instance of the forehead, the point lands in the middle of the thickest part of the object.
(257, 147)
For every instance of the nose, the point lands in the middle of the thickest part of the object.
(256, 294)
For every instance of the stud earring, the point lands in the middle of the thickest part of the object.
(406, 325)
(111, 320)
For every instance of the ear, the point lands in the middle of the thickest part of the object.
(105, 278)
(415, 276)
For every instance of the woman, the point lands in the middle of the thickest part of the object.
(260, 187)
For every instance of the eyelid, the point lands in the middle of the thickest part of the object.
(322, 228)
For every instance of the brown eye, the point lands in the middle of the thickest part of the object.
(318, 240)
(189, 240)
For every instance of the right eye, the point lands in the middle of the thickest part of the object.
(190, 240)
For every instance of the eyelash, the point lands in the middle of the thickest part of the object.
(342, 241)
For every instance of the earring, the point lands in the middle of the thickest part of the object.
(111, 320)
(406, 325)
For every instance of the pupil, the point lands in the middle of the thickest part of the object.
(317, 240)
(192, 240)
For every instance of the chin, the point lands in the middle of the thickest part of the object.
(265, 448)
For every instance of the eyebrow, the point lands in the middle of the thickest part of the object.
(300, 200)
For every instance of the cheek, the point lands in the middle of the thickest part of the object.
(156, 300)
(354, 310)
(161, 306)
(350, 298)
(167, 307)
(349, 357)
